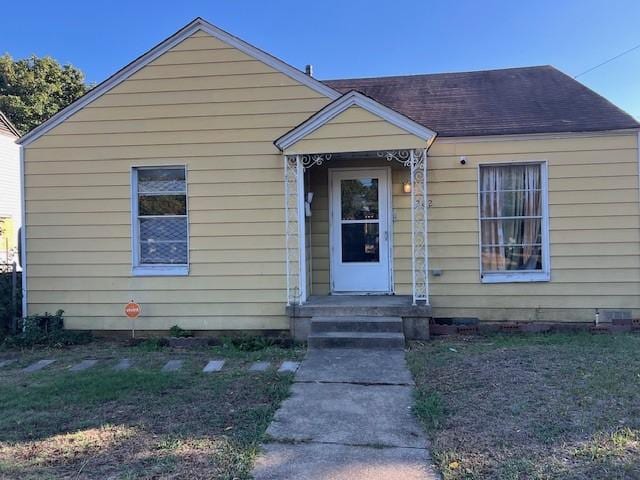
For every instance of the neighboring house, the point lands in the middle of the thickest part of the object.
(182, 182)
(10, 205)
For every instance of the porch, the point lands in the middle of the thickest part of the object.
(355, 186)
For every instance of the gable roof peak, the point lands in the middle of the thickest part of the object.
(196, 24)
(346, 101)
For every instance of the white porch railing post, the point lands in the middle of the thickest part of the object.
(425, 206)
(416, 160)
(302, 237)
(412, 162)
(291, 226)
(419, 207)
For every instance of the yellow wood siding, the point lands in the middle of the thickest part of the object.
(356, 130)
(201, 104)
(594, 219)
(594, 228)
(217, 111)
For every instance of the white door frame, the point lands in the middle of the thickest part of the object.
(389, 207)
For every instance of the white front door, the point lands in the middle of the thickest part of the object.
(359, 213)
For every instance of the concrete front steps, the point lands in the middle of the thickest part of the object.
(356, 332)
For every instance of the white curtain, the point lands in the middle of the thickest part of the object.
(511, 213)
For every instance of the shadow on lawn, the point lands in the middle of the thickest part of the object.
(136, 424)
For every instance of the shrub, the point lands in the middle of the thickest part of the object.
(6, 302)
(247, 343)
(176, 331)
(47, 330)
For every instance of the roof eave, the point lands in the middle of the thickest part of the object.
(4, 119)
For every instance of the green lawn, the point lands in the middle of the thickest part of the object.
(531, 406)
(141, 423)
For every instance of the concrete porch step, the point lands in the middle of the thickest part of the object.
(359, 306)
(356, 324)
(356, 340)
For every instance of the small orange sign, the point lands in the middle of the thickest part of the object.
(132, 309)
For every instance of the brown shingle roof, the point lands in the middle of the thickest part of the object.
(494, 102)
(6, 127)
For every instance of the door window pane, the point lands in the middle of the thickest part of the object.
(360, 242)
(359, 199)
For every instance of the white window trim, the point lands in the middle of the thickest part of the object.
(155, 270)
(520, 276)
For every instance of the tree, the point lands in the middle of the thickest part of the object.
(33, 89)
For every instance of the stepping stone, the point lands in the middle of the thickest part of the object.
(288, 367)
(259, 367)
(123, 364)
(172, 366)
(6, 363)
(39, 365)
(83, 365)
(213, 366)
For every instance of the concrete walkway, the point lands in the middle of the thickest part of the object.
(348, 418)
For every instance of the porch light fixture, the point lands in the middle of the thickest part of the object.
(406, 187)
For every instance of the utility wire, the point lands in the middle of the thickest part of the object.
(607, 61)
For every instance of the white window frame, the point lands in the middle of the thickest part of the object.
(151, 270)
(516, 276)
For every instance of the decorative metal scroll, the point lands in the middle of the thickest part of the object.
(419, 206)
(415, 160)
(314, 159)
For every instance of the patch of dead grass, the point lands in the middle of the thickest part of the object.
(532, 407)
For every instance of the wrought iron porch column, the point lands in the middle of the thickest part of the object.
(293, 253)
(419, 207)
(416, 161)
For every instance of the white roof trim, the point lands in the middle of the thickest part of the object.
(338, 106)
(155, 52)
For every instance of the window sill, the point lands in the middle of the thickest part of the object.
(160, 270)
(515, 277)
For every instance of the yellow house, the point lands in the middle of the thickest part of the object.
(222, 189)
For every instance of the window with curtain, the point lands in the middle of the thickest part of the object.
(513, 222)
(160, 220)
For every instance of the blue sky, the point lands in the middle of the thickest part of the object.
(354, 38)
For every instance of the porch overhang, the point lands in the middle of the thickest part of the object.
(355, 123)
